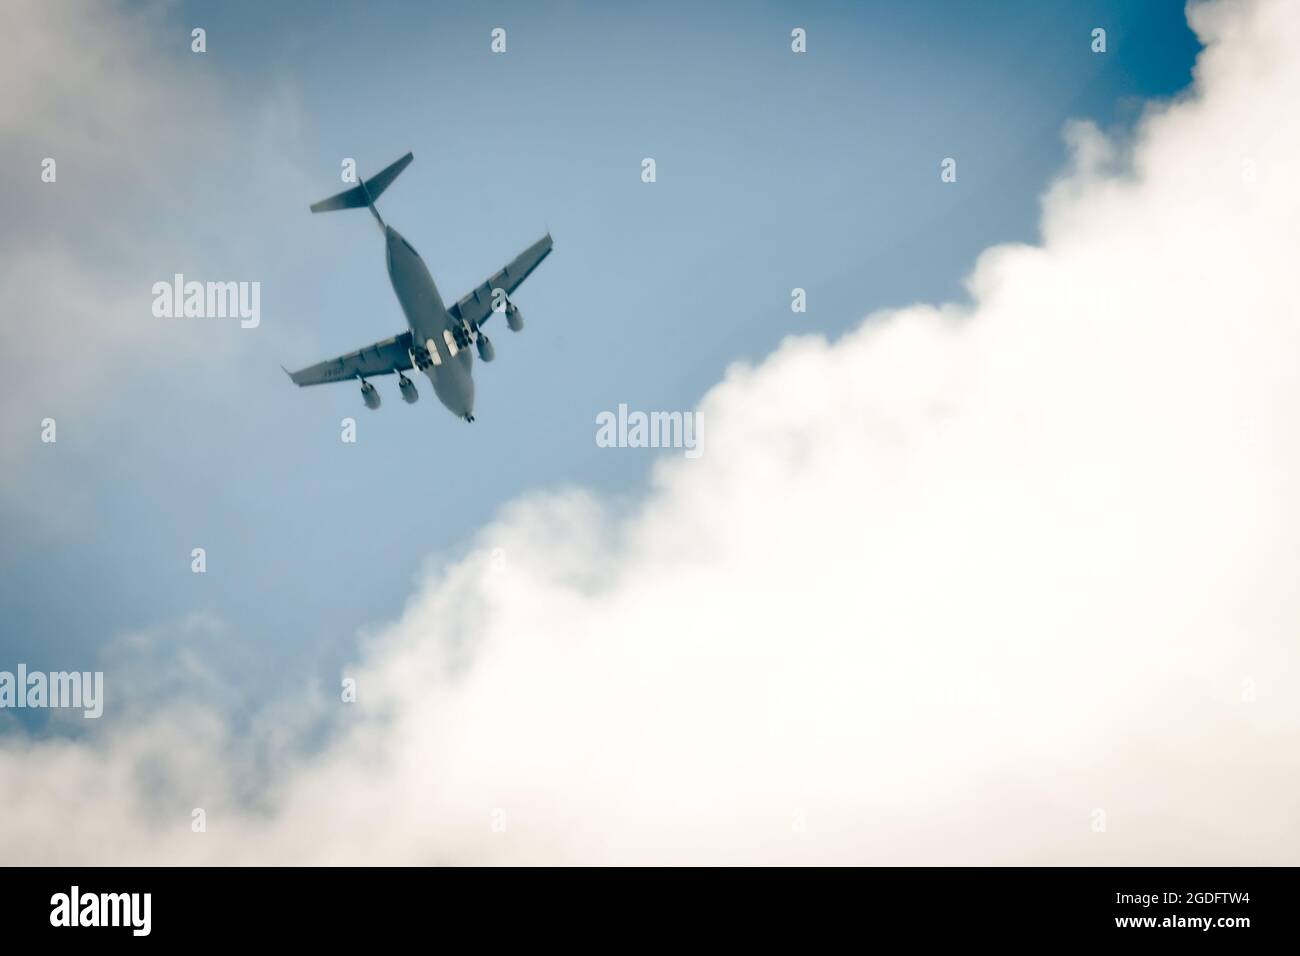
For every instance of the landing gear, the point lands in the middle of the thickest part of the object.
(469, 418)
(421, 359)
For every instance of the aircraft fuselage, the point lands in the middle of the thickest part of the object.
(450, 369)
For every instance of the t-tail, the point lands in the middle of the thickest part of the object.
(366, 192)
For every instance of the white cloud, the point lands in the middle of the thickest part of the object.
(935, 593)
(140, 131)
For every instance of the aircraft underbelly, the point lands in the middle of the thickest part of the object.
(450, 374)
(420, 301)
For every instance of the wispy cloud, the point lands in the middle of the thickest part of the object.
(143, 185)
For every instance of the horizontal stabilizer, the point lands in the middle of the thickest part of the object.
(359, 197)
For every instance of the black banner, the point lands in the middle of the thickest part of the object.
(1177, 906)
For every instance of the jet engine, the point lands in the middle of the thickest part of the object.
(407, 387)
(485, 350)
(514, 318)
(369, 394)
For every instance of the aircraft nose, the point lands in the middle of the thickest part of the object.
(467, 396)
(456, 390)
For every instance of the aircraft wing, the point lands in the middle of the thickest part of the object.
(476, 307)
(390, 355)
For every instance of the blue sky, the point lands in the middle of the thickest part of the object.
(774, 171)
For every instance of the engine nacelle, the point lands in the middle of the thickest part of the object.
(369, 394)
(407, 387)
(514, 318)
(485, 350)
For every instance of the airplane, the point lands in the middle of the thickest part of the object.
(438, 340)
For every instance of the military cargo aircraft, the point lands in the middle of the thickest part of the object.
(438, 340)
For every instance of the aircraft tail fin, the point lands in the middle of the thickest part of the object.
(365, 194)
